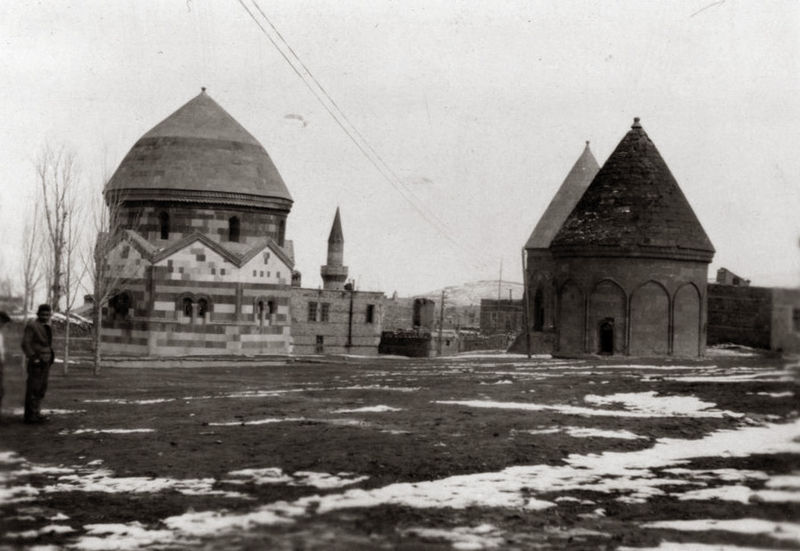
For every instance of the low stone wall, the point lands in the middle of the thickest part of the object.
(406, 344)
(739, 315)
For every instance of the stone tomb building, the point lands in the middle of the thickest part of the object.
(200, 262)
(628, 265)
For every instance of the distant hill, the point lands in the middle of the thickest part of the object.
(471, 293)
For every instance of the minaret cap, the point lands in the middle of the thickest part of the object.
(203, 89)
(336, 235)
(636, 123)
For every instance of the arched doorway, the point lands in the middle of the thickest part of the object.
(606, 336)
(607, 302)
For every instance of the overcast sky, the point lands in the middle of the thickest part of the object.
(479, 108)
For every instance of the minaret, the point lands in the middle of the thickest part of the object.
(334, 273)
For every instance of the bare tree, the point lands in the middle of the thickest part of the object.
(31, 257)
(108, 272)
(73, 274)
(57, 173)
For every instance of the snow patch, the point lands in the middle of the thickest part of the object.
(133, 535)
(368, 409)
(325, 481)
(757, 377)
(787, 394)
(784, 481)
(31, 534)
(742, 494)
(667, 406)
(106, 431)
(127, 401)
(20, 411)
(463, 538)
(268, 475)
(266, 421)
(691, 546)
(275, 475)
(103, 480)
(379, 387)
(653, 405)
(778, 530)
(585, 432)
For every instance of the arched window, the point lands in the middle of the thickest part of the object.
(188, 307)
(202, 307)
(233, 229)
(260, 312)
(281, 232)
(271, 307)
(163, 222)
(120, 305)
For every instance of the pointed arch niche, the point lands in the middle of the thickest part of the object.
(607, 308)
(649, 320)
(571, 319)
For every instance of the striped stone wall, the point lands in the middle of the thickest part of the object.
(247, 308)
(254, 224)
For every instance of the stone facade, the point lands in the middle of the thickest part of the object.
(644, 307)
(501, 316)
(193, 299)
(336, 322)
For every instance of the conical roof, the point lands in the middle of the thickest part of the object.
(198, 153)
(565, 199)
(634, 207)
(336, 235)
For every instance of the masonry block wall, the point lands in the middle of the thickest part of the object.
(322, 321)
(196, 302)
(740, 315)
(398, 313)
(786, 320)
(214, 222)
(641, 306)
(760, 317)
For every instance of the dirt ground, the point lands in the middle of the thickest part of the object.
(470, 452)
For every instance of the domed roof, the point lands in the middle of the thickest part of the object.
(564, 200)
(200, 154)
(634, 207)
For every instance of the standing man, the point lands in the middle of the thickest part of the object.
(4, 319)
(37, 344)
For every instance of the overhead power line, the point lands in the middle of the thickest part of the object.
(362, 144)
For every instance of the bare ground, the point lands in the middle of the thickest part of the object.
(210, 422)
